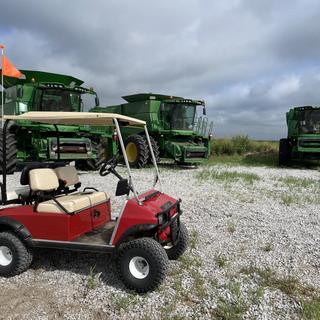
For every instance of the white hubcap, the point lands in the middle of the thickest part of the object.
(5, 256)
(139, 267)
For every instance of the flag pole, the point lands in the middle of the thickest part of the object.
(2, 88)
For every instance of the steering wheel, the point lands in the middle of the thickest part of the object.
(108, 166)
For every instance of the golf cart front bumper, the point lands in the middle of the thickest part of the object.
(169, 222)
(153, 215)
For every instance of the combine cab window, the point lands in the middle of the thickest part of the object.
(310, 121)
(178, 116)
(10, 94)
(88, 101)
(57, 100)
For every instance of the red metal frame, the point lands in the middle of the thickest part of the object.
(59, 226)
(135, 214)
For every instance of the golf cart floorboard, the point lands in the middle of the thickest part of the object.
(100, 236)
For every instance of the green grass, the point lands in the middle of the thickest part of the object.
(268, 247)
(227, 176)
(311, 309)
(289, 285)
(241, 144)
(288, 199)
(231, 309)
(92, 281)
(220, 260)
(240, 150)
(304, 183)
(125, 302)
(293, 187)
(248, 160)
(194, 239)
(231, 227)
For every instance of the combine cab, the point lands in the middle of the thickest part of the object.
(43, 91)
(176, 131)
(303, 140)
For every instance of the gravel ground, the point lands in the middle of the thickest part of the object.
(254, 254)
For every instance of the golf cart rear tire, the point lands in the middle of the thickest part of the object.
(180, 247)
(11, 152)
(155, 256)
(21, 255)
(284, 152)
(142, 150)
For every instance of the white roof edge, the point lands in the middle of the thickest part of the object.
(73, 118)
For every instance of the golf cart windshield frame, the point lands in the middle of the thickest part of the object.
(117, 123)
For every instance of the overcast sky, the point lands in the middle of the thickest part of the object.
(250, 60)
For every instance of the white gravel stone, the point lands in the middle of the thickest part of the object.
(235, 220)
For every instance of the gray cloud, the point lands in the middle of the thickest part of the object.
(250, 60)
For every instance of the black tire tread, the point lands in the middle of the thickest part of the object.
(284, 152)
(24, 257)
(156, 150)
(11, 152)
(155, 250)
(181, 246)
(143, 150)
(93, 164)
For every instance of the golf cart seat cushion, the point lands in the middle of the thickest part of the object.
(68, 175)
(16, 194)
(72, 203)
(43, 179)
(95, 197)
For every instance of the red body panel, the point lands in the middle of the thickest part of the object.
(101, 214)
(135, 214)
(58, 226)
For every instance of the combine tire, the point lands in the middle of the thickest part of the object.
(284, 152)
(156, 150)
(93, 164)
(137, 151)
(15, 257)
(174, 252)
(142, 264)
(11, 152)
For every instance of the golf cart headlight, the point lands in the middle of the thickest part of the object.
(160, 218)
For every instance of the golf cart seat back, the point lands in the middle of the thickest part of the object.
(45, 179)
(24, 178)
(69, 176)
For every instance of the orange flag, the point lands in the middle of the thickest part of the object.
(8, 69)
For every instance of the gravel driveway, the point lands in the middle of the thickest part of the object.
(254, 253)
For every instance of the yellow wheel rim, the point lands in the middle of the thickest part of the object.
(131, 151)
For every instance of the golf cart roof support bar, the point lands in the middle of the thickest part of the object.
(58, 140)
(126, 159)
(4, 162)
(157, 175)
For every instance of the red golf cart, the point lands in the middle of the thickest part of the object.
(51, 210)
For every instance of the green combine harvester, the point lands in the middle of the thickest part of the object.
(28, 141)
(176, 131)
(303, 141)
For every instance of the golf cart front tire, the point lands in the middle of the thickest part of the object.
(175, 251)
(142, 264)
(15, 256)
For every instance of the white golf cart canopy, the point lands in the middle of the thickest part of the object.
(84, 118)
(76, 118)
